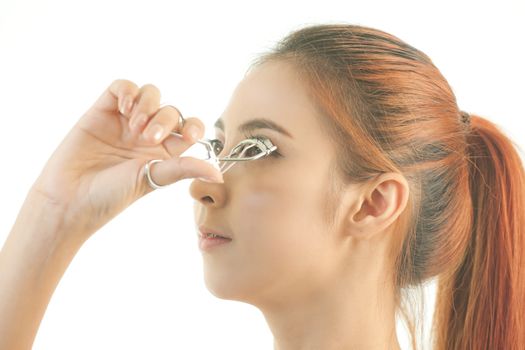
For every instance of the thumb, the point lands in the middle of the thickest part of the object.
(177, 168)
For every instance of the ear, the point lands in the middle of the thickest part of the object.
(378, 204)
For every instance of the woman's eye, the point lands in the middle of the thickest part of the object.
(217, 146)
(252, 151)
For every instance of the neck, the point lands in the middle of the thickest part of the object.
(336, 317)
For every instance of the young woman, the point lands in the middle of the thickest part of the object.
(379, 182)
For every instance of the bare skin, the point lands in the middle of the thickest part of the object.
(93, 175)
(318, 286)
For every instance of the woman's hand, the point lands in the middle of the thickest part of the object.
(95, 173)
(97, 170)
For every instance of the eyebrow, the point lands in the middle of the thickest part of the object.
(257, 123)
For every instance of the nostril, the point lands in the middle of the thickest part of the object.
(207, 199)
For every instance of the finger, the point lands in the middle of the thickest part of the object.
(166, 119)
(146, 104)
(169, 121)
(177, 145)
(117, 97)
(193, 129)
(178, 168)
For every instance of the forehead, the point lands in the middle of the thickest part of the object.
(275, 91)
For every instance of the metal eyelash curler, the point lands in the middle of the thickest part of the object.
(264, 145)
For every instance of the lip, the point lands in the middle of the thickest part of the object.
(207, 244)
(204, 230)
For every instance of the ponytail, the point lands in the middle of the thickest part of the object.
(481, 305)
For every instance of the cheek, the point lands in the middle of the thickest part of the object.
(266, 206)
(260, 214)
(282, 246)
(279, 223)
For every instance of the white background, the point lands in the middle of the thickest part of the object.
(137, 283)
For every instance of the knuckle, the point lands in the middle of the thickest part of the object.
(149, 98)
(124, 86)
(171, 112)
(151, 89)
(195, 121)
(147, 104)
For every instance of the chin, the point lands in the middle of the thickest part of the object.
(223, 290)
(228, 288)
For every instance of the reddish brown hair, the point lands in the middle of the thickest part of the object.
(389, 109)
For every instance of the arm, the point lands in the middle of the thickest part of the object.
(32, 261)
(95, 173)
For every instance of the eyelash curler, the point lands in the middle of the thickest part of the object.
(263, 144)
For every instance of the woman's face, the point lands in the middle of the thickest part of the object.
(273, 207)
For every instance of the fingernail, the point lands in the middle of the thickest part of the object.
(211, 179)
(121, 105)
(126, 105)
(155, 132)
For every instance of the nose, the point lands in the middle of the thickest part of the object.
(210, 194)
(214, 194)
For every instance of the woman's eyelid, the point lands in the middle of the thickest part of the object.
(243, 137)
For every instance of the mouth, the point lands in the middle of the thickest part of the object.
(206, 232)
(209, 238)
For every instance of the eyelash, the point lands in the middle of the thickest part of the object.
(274, 154)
